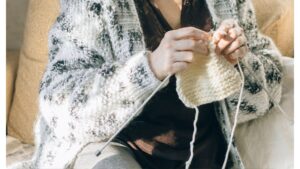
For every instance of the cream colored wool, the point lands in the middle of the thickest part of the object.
(207, 79)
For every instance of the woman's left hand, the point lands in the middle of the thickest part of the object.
(230, 41)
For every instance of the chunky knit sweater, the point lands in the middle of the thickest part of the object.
(98, 75)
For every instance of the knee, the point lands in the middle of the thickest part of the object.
(118, 161)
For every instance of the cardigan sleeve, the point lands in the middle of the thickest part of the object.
(92, 83)
(261, 66)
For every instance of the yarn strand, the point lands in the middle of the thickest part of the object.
(189, 161)
(235, 117)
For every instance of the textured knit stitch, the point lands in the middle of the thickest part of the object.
(207, 79)
(98, 74)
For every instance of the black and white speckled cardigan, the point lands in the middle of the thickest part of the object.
(98, 74)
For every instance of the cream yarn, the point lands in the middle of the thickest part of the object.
(207, 79)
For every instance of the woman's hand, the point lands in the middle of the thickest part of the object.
(176, 50)
(230, 41)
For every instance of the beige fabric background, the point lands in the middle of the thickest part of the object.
(11, 72)
(33, 59)
(16, 14)
(276, 19)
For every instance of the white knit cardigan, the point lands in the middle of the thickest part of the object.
(98, 74)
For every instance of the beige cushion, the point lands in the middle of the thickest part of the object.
(12, 58)
(276, 19)
(17, 151)
(15, 16)
(33, 59)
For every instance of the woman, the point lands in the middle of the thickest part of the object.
(107, 57)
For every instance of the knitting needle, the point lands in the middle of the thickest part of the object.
(98, 152)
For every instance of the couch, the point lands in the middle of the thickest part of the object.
(25, 66)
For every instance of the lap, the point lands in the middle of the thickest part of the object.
(114, 156)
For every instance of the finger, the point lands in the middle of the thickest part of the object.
(187, 32)
(178, 66)
(232, 35)
(235, 32)
(243, 50)
(223, 30)
(231, 58)
(202, 47)
(227, 24)
(222, 44)
(218, 35)
(240, 53)
(185, 44)
(183, 57)
(236, 44)
(191, 45)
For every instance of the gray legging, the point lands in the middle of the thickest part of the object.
(114, 156)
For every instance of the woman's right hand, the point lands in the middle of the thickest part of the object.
(176, 50)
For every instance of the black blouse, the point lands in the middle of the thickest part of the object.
(161, 134)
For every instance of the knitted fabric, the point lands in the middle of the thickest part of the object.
(98, 75)
(207, 79)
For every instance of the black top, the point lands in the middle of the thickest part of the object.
(161, 134)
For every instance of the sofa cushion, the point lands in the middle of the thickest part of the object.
(33, 59)
(12, 58)
(276, 19)
(17, 151)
